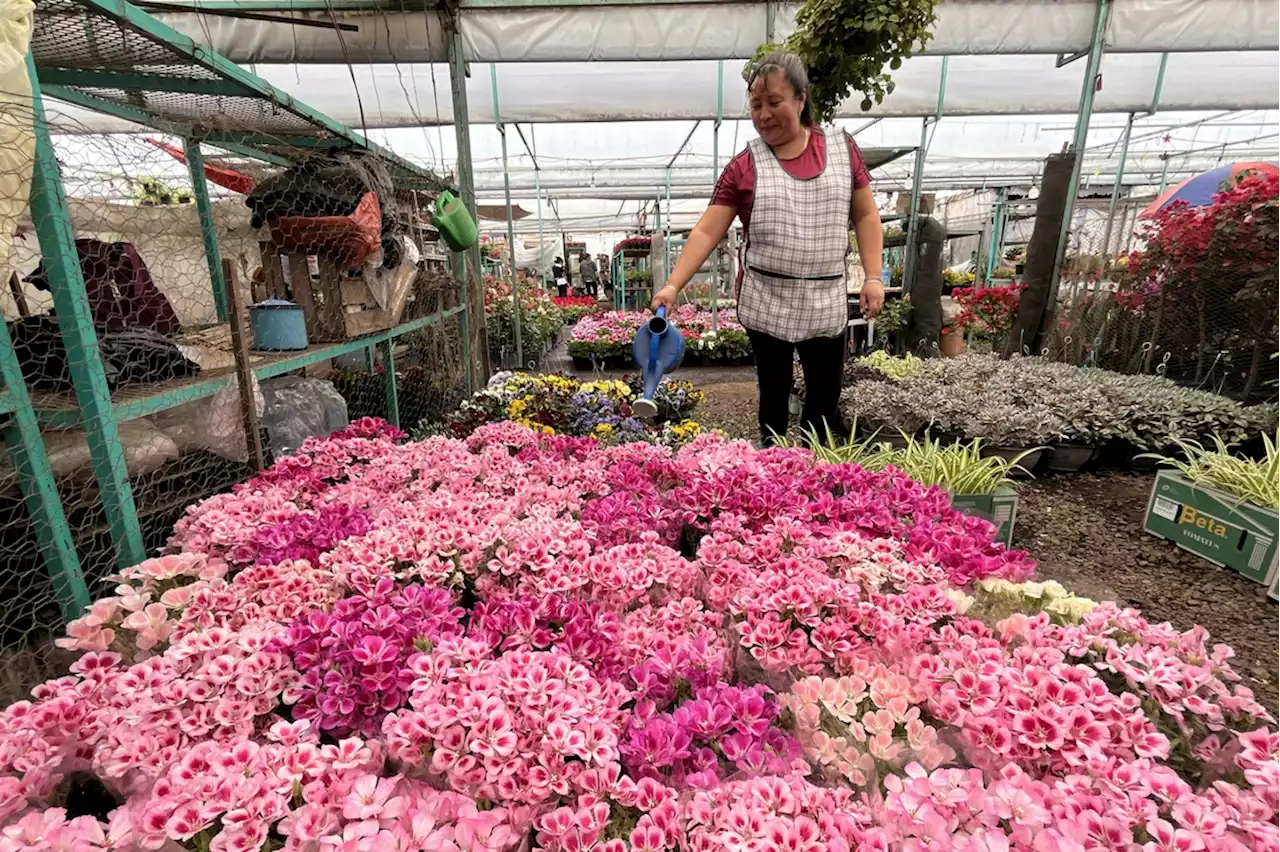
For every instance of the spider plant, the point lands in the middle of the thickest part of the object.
(1246, 479)
(958, 468)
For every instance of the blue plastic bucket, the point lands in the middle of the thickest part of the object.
(277, 325)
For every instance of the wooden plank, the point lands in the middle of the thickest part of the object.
(273, 275)
(244, 370)
(300, 284)
(19, 298)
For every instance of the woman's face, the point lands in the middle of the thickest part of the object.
(775, 108)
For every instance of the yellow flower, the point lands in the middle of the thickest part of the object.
(517, 408)
(604, 428)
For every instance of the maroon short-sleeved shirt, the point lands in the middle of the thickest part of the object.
(737, 185)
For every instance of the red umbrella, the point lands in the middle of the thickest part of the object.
(227, 178)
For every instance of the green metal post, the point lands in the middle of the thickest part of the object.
(75, 321)
(1155, 97)
(1083, 117)
(1115, 196)
(39, 491)
(994, 244)
(1004, 227)
(666, 236)
(537, 188)
(917, 176)
(200, 188)
(469, 261)
(1164, 174)
(657, 224)
(619, 282)
(715, 176)
(388, 348)
(511, 236)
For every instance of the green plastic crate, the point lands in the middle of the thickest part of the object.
(1000, 509)
(1214, 526)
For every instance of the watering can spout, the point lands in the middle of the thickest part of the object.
(658, 348)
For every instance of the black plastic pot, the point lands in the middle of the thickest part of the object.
(1029, 463)
(1069, 458)
(1139, 464)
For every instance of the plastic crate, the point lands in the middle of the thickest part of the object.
(1214, 526)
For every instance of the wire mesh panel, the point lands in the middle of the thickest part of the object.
(1194, 300)
(159, 378)
(30, 613)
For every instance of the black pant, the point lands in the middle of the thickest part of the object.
(822, 360)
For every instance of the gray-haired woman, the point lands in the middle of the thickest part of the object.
(796, 189)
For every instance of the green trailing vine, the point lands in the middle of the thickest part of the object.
(852, 45)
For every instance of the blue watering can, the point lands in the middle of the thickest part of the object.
(658, 348)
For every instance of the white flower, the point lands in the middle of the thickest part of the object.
(1032, 590)
(1071, 607)
(1053, 590)
(963, 602)
(996, 586)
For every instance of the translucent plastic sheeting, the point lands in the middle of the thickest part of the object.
(680, 31)
(373, 96)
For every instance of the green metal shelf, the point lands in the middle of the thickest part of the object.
(59, 411)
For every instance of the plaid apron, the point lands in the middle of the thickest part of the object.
(793, 283)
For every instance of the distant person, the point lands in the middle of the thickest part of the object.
(602, 263)
(590, 277)
(557, 272)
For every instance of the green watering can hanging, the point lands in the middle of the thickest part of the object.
(454, 222)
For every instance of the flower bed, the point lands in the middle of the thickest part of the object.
(560, 405)
(608, 338)
(574, 308)
(537, 643)
(1027, 402)
(541, 319)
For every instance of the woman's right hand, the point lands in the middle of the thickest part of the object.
(665, 298)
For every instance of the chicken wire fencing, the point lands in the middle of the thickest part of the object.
(329, 276)
(1188, 294)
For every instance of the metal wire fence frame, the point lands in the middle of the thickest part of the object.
(431, 335)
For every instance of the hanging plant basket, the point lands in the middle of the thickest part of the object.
(851, 46)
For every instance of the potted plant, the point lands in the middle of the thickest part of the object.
(952, 344)
(979, 484)
(893, 318)
(1220, 506)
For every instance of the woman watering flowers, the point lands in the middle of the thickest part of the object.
(796, 189)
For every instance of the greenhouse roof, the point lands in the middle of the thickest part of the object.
(1200, 76)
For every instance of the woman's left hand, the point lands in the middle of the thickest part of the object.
(872, 299)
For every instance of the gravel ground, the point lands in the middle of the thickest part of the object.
(1085, 531)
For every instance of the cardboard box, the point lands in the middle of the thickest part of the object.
(1000, 509)
(1214, 526)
